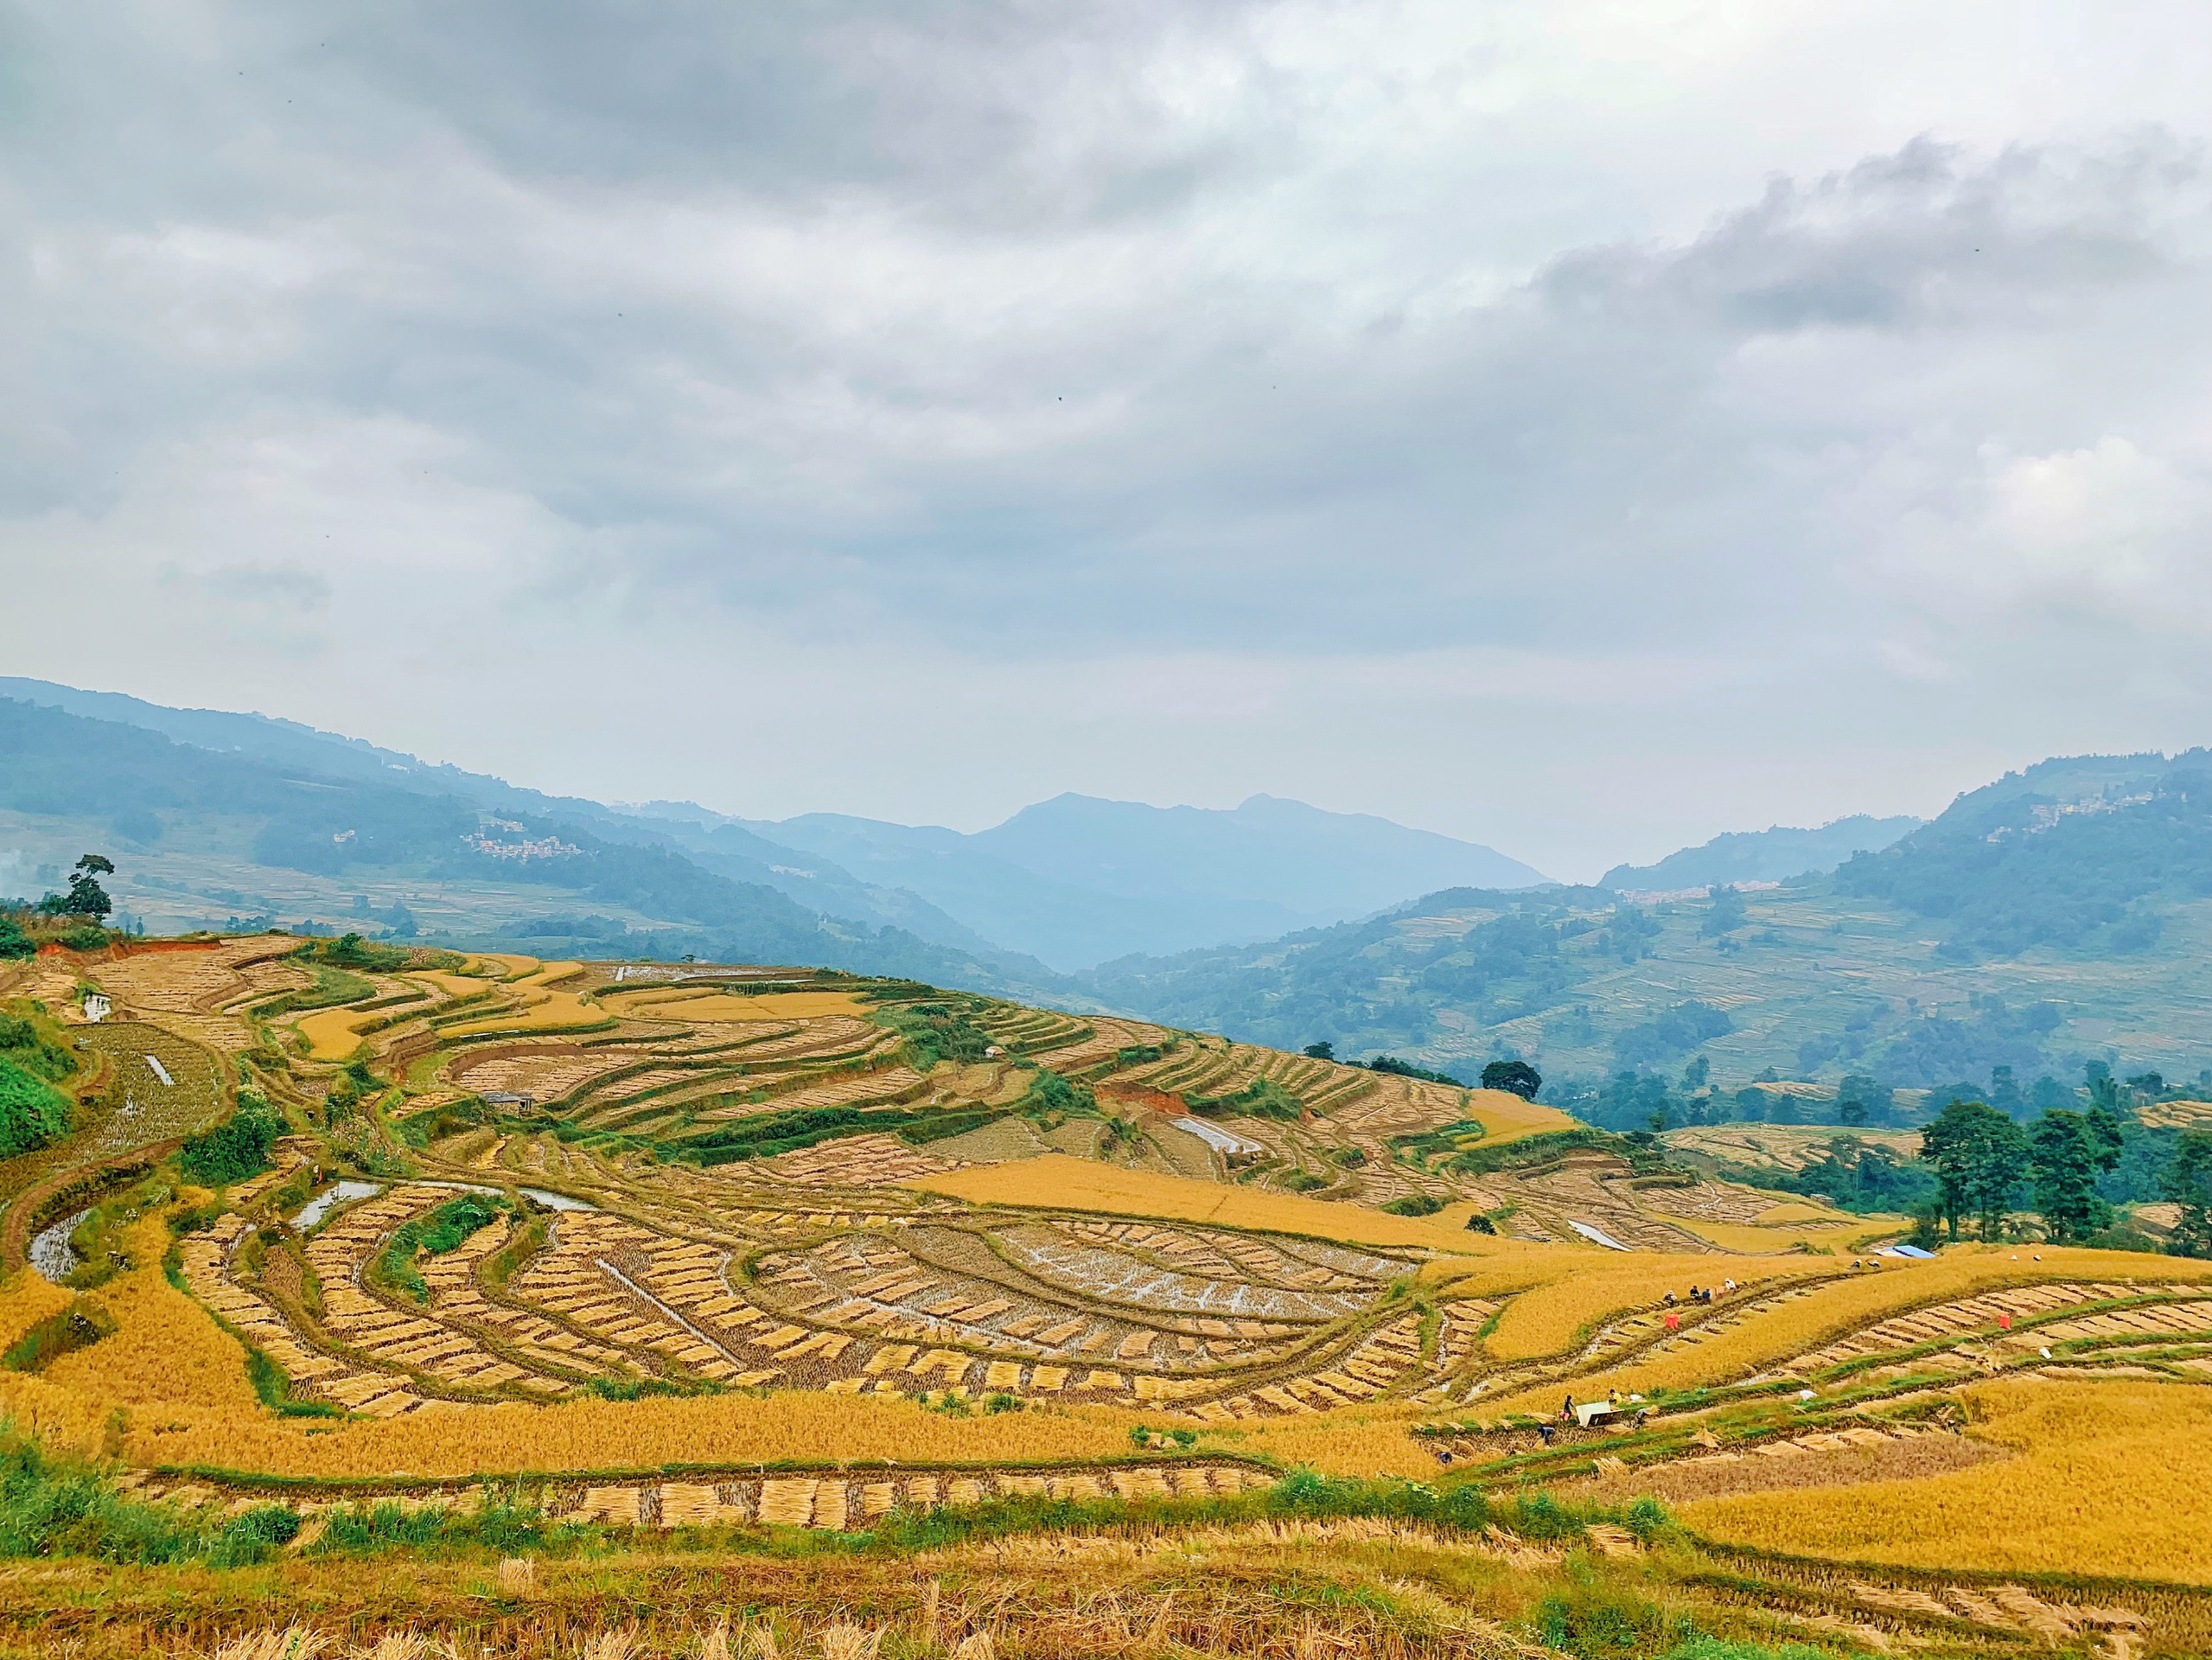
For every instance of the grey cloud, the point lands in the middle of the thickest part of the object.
(1056, 334)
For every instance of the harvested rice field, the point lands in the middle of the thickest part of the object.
(729, 1251)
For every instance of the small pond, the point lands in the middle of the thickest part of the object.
(323, 1204)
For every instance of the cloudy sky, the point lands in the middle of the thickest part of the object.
(1578, 426)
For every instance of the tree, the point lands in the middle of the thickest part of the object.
(1724, 912)
(86, 896)
(2004, 1093)
(2065, 1152)
(2187, 1181)
(1323, 1050)
(1980, 1157)
(1515, 1077)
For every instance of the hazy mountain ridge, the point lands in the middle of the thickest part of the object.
(2056, 914)
(819, 886)
(1069, 882)
(1772, 855)
(106, 774)
(1077, 880)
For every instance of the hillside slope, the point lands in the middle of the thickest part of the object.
(2056, 916)
(727, 849)
(1774, 855)
(194, 825)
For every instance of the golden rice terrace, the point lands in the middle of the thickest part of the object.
(667, 1248)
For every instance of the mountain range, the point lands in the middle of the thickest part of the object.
(1060, 885)
(2057, 916)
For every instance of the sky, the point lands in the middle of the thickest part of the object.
(1580, 427)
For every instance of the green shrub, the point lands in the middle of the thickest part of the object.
(1305, 1181)
(1646, 1518)
(1414, 1204)
(32, 1111)
(42, 1052)
(1594, 1620)
(13, 942)
(1049, 1092)
(235, 1149)
(934, 1032)
(51, 1509)
(77, 1326)
(351, 951)
(254, 1535)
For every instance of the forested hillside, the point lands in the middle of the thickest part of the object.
(2086, 854)
(2056, 918)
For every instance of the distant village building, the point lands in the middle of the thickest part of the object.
(506, 1098)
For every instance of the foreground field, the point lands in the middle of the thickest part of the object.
(841, 1289)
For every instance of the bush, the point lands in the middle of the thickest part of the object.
(255, 1536)
(49, 1508)
(236, 1149)
(13, 942)
(446, 1228)
(934, 1032)
(1646, 1518)
(1049, 1092)
(43, 1053)
(32, 1111)
(1414, 1204)
(1597, 1621)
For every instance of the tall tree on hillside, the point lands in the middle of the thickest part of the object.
(1517, 1077)
(2065, 1152)
(2187, 1181)
(86, 896)
(1980, 1157)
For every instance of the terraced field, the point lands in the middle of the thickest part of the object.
(738, 1247)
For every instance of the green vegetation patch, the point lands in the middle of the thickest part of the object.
(1261, 1098)
(1414, 1204)
(235, 1149)
(936, 1032)
(351, 951)
(445, 1228)
(32, 1111)
(79, 1326)
(32, 1042)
